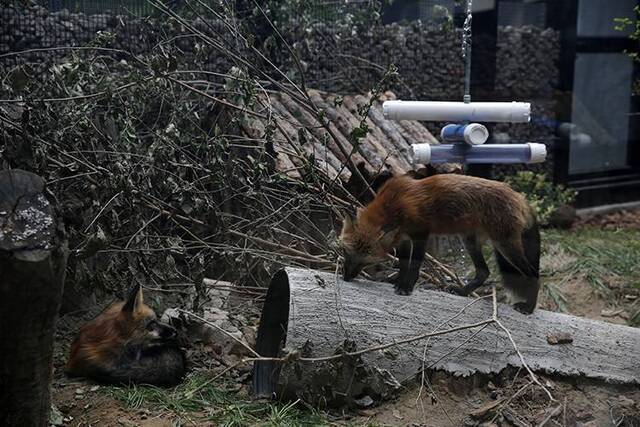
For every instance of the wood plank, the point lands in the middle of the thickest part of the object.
(316, 135)
(393, 141)
(327, 164)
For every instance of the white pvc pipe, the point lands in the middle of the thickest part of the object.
(446, 111)
(483, 154)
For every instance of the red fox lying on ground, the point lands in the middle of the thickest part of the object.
(126, 344)
(406, 211)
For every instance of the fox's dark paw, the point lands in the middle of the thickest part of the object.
(474, 283)
(523, 307)
(394, 280)
(402, 291)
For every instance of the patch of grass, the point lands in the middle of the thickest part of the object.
(600, 252)
(200, 398)
(598, 256)
(557, 296)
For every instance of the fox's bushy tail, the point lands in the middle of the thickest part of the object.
(520, 269)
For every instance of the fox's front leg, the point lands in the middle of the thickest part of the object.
(410, 254)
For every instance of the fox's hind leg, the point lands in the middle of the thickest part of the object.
(162, 366)
(473, 246)
(519, 263)
(411, 254)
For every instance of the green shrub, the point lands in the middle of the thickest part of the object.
(543, 195)
(624, 24)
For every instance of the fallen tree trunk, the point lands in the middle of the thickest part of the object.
(33, 258)
(314, 314)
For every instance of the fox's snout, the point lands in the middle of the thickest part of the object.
(168, 332)
(162, 331)
(351, 270)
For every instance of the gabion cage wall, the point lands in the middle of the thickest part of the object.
(337, 58)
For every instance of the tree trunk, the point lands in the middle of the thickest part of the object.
(33, 257)
(315, 314)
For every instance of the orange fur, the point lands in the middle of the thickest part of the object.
(406, 211)
(101, 341)
(447, 204)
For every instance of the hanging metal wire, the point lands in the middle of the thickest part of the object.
(466, 51)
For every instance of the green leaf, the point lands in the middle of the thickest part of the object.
(359, 132)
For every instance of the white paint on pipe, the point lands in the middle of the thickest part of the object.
(443, 111)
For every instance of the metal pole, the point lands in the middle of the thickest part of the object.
(466, 52)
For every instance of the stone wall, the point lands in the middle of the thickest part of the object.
(338, 60)
(341, 60)
(431, 67)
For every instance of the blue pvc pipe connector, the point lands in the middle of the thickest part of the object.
(471, 133)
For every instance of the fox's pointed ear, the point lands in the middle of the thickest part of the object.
(135, 299)
(388, 239)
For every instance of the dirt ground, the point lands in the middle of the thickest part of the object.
(623, 219)
(470, 402)
(609, 293)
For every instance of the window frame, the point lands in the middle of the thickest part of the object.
(602, 187)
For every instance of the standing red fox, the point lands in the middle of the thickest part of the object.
(406, 211)
(126, 344)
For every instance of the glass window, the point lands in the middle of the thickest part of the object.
(596, 17)
(600, 111)
(518, 13)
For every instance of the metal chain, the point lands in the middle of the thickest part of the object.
(466, 52)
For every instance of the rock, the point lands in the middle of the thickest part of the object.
(584, 415)
(55, 417)
(67, 407)
(484, 410)
(169, 314)
(217, 332)
(217, 291)
(364, 402)
(469, 422)
(249, 334)
(559, 338)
